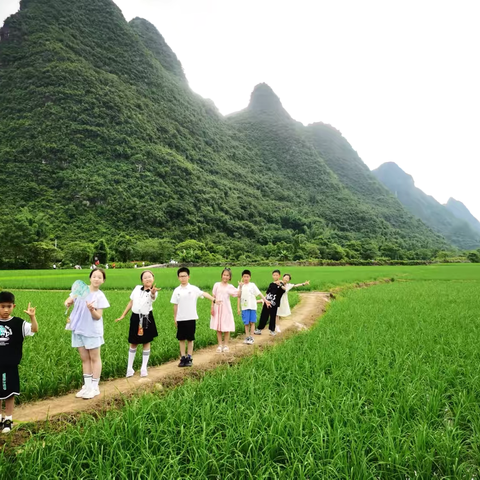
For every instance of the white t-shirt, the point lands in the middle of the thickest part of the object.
(186, 299)
(142, 300)
(248, 300)
(81, 321)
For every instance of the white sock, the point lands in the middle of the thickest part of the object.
(145, 357)
(8, 417)
(87, 380)
(95, 382)
(131, 358)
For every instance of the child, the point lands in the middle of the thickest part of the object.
(222, 316)
(275, 292)
(142, 324)
(284, 308)
(86, 323)
(248, 301)
(13, 331)
(184, 299)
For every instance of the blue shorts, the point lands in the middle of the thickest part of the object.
(88, 342)
(249, 316)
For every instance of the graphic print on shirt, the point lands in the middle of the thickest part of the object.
(271, 298)
(5, 332)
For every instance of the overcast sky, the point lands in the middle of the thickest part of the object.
(399, 79)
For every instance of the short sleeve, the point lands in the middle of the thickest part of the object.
(215, 288)
(174, 298)
(256, 291)
(101, 301)
(234, 292)
(288, 287)
(199, 293)
(27, 329)
(134, 292)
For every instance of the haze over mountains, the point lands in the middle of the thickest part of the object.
(101, 136)
(453, 221)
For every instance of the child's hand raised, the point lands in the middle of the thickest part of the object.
(154, 290)
(30, 311)
(119, 318)
(90, 306)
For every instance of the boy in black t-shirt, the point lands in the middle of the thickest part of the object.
(274, 294)
(13, 330)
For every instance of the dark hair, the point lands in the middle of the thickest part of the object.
(7, 297)
(226, 269)
(276, 271)
(183, 269)
(101, 270)
(246, 272)
(287, 275)
(146, 271)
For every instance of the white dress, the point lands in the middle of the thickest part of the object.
(284, 308)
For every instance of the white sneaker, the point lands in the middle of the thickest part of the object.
(272, 333)
(81, 393)
(251, 341)
(277, 329)
(246, 340)
(90, 393)
(257, 332)
(130, 372)
(225, 348)
(143, 373)
(219, 349)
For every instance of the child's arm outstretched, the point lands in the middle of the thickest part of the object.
(127, 309)
(207, 295)
(30, 311)
(301, 284)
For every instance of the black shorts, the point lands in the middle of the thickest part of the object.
(186, 330)
(9, 381)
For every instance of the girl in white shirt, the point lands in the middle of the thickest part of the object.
(284, 308)
(86, 324)
(142, 324)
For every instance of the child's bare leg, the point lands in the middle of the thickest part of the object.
(190, 347)
(146, 346)
(182, 347)
(247, 329)
(227, 338)
(9, 403)
(219, 337)
(85, 357)
(133, 347)
(96, 362)
(252, 328)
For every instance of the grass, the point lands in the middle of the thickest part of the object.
(385, 386)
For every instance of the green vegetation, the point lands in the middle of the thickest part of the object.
(384, 386)
(439, 218)
(102, 139)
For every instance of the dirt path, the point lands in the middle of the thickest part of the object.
(311, 306)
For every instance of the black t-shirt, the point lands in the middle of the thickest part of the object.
(274, 294)
(11, 341)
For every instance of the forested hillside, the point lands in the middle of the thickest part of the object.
(434, 214)
(105, 148)
(463, 213)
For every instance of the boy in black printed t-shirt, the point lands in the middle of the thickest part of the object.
(13, 330)
(274, 294)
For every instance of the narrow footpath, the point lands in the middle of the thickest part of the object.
(309, 309)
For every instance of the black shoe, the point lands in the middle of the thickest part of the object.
(188, 361)
(183, 360)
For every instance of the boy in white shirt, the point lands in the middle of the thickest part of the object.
(184, 299)
(248, 301)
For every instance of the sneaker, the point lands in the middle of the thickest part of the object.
(188, 361)
(251, 341)
(182, 362)
(225, 348)
(272, 333)
(257, 332)
(91, 393)
(219, 349)
(7, 426)
(247, 339)
(144, 373)
(81, 393)
(277, 329)
(130, 372)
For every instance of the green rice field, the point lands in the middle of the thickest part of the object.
(386, 385)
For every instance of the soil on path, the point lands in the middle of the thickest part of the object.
(310, 308)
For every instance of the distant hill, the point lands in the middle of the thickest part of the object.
(101, 136)
(463, 213)
(434, 214)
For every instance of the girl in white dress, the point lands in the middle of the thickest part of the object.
(284, 308)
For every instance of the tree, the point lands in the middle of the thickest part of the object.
(78, 253)
(474, 256)
(101, 251)
(123, 247)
